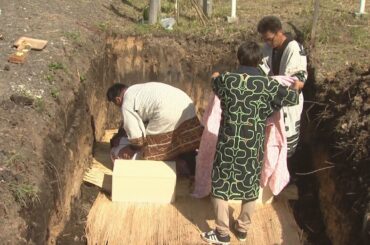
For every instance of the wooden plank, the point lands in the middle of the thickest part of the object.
(19, 57)
(36, 44)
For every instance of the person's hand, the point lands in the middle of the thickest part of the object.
(298, 85)
(126, 153)
(215, 74)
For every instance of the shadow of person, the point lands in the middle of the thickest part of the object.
(107, 185)
(101, 156)
(196, 211)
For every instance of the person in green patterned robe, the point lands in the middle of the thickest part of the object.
(247, 99)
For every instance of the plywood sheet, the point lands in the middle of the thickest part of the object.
(36, 44)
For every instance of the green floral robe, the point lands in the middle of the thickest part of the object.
(246, 102)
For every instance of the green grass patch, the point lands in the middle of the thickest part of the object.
(145, 28)
(56, 66)
(50, 78)
(13, 159)
(54, 92)
(82, 78)
(24, 194)
(103, 26)
(39, 105)
(74, 36)
(360, 36)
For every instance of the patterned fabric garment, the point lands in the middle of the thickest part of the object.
(161, 120)
(246, 102)
(167, 146)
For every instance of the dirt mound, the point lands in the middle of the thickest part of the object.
(343, 124)
(347, 107)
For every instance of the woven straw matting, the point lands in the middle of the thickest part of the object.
(181, 223)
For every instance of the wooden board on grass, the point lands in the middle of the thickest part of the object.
(36, 44)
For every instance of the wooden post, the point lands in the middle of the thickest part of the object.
(316, 13)
(233, 8)
(232, 18)
(207, 7)
(153, 11)
(177, 13)
(361, 12)
(362, 6)
(312, 43)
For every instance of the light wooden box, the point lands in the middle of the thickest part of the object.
(143, 181)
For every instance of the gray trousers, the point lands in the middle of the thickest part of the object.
(221, 208)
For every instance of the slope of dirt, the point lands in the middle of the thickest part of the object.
(343, 126)
(45, 133)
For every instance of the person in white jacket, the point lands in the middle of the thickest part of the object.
(159, 121)
(282, 55)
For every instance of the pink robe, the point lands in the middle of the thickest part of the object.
(207, 149)
(274, 173)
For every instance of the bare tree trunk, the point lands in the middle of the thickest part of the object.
(177, 10)
(316, 12)
(200, 3)
(153, 11)
(207, 7)
(312, 43)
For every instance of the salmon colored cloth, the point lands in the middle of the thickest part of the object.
(207, 149)
(274, 173)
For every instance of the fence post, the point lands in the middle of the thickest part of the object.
(153, 11)
(233, 8)
(232, 18)
(362, 8)
(207, 7)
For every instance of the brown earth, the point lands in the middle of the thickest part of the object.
(53, 107)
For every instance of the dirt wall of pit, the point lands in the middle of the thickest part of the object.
(337, 131)
(84, 113)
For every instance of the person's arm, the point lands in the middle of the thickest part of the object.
(134, 128)
(114, 141)
(218, 84)
(282, 95)
(296, 63)
(121, 131)
(265, 66)
(215, 78)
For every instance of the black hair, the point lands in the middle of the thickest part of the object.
(269, 23)
(115, 91)
(249, 54)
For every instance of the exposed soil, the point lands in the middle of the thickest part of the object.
(342, 124)
(74, 231)
(52, 108)
(135, 59)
